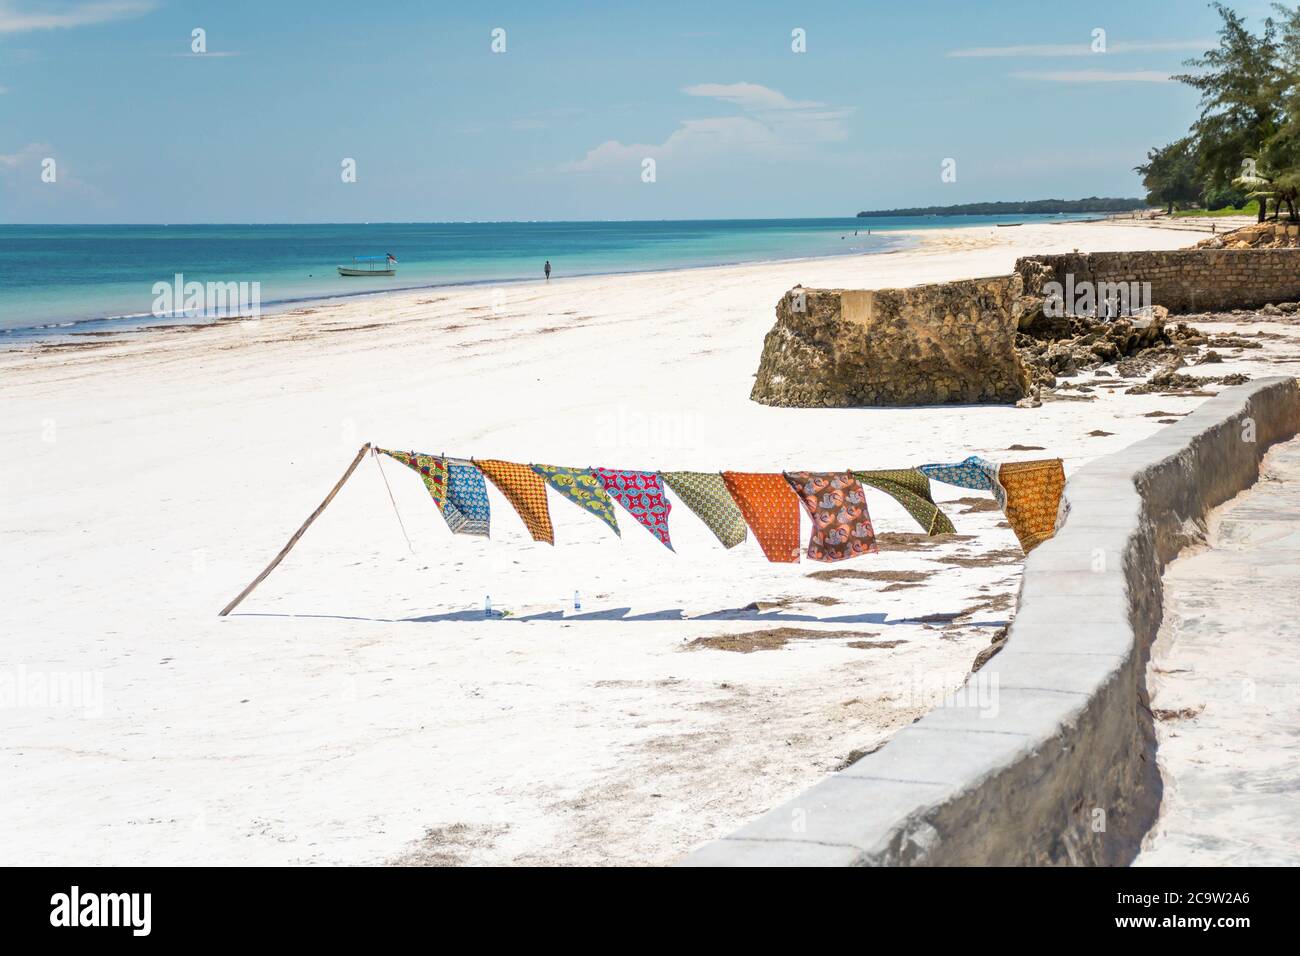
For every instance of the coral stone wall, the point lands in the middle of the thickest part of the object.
(952, 342)
(1182, 280)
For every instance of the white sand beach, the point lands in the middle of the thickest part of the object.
(357, 708)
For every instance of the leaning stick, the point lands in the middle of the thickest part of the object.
(297, 534)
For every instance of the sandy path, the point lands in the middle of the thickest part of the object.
(358, 708)
(1225, 682)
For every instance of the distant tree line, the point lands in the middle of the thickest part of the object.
(1246, 143)
(1029, 207)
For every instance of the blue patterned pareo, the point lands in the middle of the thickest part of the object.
(466, 508)
(975, 472)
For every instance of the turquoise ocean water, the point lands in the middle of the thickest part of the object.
(62, 280)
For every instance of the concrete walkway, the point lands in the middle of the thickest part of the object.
(1225, 683)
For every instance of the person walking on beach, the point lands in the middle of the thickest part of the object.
(547, 269)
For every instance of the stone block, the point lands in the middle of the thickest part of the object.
(948, 343)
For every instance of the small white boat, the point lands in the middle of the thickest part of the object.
(385, 265)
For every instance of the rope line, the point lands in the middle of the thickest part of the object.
(379, 465)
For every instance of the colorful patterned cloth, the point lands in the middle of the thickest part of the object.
(770, 509)
(838, 508)
(1033, 490)
(526, 491)
(642, 494)
(583, 488)
(974, 472)
(911, 489)
(467, 510)
(706, 494)
(432, 470)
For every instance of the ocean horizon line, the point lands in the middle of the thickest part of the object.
(533, 222)
(430, 222)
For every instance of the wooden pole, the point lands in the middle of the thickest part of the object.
(297, 534)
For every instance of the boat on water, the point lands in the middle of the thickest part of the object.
(385, 265)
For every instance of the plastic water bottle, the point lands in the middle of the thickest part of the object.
(487, 605)
(577, 601)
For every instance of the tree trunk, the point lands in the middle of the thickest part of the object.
(1263, 208)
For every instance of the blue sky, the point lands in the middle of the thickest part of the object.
(558, 125)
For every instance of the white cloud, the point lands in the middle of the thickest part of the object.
(1097, 76)
(748, 96)
(31, 154)
(770, 125)
(1085, 49)
(24, 190)
(211, 54)
(25, 167)
(57, 16)
(694, 140)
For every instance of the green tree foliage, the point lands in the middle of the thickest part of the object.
(1224, 197)
(1248, 106)
(1280, 158)
(1170, 175)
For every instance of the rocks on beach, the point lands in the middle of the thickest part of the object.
(947, 343)
(1051, 348)
(961, 343)
(979, 341)
(1264, 235)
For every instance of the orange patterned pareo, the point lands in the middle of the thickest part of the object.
(1033, 491)
(525, 489)
(771, 510)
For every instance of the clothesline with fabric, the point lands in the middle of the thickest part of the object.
(729, 503)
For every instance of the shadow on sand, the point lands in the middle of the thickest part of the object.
(625, 615)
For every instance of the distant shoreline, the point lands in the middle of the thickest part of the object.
(1039, 207)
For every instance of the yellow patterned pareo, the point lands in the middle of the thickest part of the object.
(1033, 491)
(524, 489)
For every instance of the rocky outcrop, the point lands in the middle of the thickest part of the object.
(1050, 347)
(1263, 235)
(949, 343)
(994, 340)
